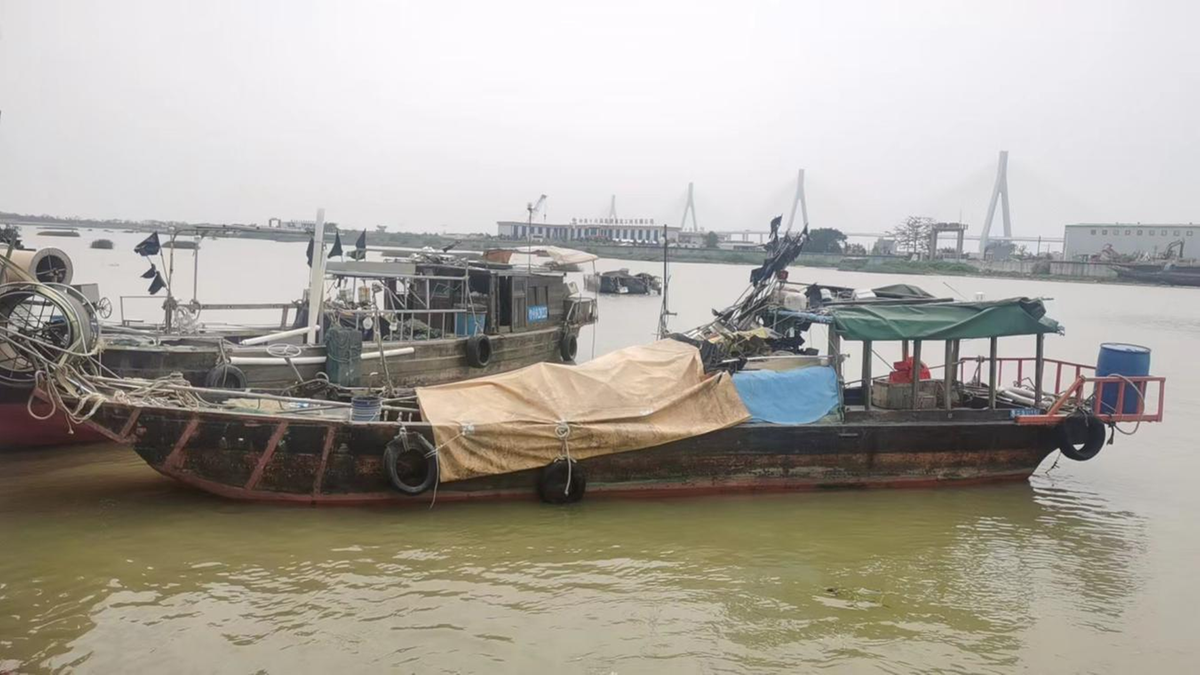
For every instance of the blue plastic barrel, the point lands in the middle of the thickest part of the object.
(1122, 359)
(364, 408)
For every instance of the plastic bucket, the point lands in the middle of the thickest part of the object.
(364, 408)
(1122, 359)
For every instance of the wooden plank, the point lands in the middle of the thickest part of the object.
(176, 457)
(330, 437)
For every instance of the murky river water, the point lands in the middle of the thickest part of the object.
(1090, 567)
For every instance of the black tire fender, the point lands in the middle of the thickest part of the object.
(400, 447)
(568, 347)
(562, 481)
(225, 376)
(1086, 428)
(479, 350)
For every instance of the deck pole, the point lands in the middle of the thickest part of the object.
(835, 351)
(316, 278)
(993, 348)
(1039, 366)
(866, 374)
(916, 372)
(948, 376)
(904, 350)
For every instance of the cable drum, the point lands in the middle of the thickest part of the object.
(41, 325)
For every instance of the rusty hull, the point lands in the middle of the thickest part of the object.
(305, 460)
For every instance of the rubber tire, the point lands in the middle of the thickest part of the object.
(552, 481)
(392, 452)
(1090, 428)
(479, 351)
(568, 347)
(225, 376)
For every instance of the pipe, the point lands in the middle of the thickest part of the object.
(275, 361)
(399, 351)
(271, 337)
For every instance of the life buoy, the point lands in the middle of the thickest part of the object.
(562, 481)
(479, 351)
(225, 376)
(568, 347)
(1088, 428)
(398, 448)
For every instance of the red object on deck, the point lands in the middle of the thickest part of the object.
(19, 430)
(902, 372)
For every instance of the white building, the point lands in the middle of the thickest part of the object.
(635, 230)
(1088, 239)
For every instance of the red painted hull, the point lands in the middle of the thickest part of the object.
(20, 430)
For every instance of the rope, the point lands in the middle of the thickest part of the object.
(563, 432)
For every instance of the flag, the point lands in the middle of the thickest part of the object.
(158, 284)
(150, 273)
(776, 221)
(337, 245)
(149, 246)
(311, 241)
(360, 247)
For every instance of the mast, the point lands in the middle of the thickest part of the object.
(316, 278)
(665, 310)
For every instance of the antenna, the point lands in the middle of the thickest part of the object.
(800, 201)
(999, 192)
(690, 208)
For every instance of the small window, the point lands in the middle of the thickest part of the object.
(1104, 232)
(1151, 233)
(1176, 233)
(1127, 233)
(1164, 233)
(1189, 233)
(1093, 232)
(1139, 233)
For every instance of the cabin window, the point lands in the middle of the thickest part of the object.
(1139, 233)
(1164, 233)
(1151, 233)
(1093, 232)
(1189, 233)
(1127, 233)
(1104, 232)
(1176, 233)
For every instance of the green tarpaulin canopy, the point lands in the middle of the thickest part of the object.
(944, 321)
(901, 291)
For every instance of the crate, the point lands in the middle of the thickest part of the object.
(898, 396)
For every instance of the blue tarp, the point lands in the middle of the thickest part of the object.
(799, 396)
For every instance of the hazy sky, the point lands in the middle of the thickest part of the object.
(453, 115)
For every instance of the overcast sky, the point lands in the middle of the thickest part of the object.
(452, 115)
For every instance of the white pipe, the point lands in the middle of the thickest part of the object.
(277, 336)
(273, 361)
(399, 351)
(316, 278)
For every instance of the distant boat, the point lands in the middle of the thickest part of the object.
(59, 233)
(1169, 274)
(102, 244)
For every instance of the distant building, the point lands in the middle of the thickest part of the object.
(1088, 239)
(632, 230)
(884, 246)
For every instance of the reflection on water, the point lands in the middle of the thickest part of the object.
(107, 567)
(117, 568)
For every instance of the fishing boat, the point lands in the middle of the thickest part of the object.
(677, 416)
(425, 318)
(621, 282)
(1166, 274)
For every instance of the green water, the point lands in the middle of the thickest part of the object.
(107, 567)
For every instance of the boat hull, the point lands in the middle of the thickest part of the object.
(319, 462)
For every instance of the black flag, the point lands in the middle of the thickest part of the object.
(775, 222)
(150, 273)
(337, 245)
(310, 251)
(158, 284)
(149, 246)
(360, 247)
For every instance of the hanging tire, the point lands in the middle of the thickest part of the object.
(225, 376)
(416, 460)
(1087, 430)
(479, 351)
(562, 481)
(568, 347)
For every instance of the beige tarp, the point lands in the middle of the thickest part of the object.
(634, 398)
(567, 259)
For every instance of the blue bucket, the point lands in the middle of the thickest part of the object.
(364, 408)
(1122, 359)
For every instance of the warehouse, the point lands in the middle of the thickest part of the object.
(1083, 240)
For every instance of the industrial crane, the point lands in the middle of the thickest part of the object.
(532, 208)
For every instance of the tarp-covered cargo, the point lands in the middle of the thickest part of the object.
(901, 291)
(634, 398)
(944, 321)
